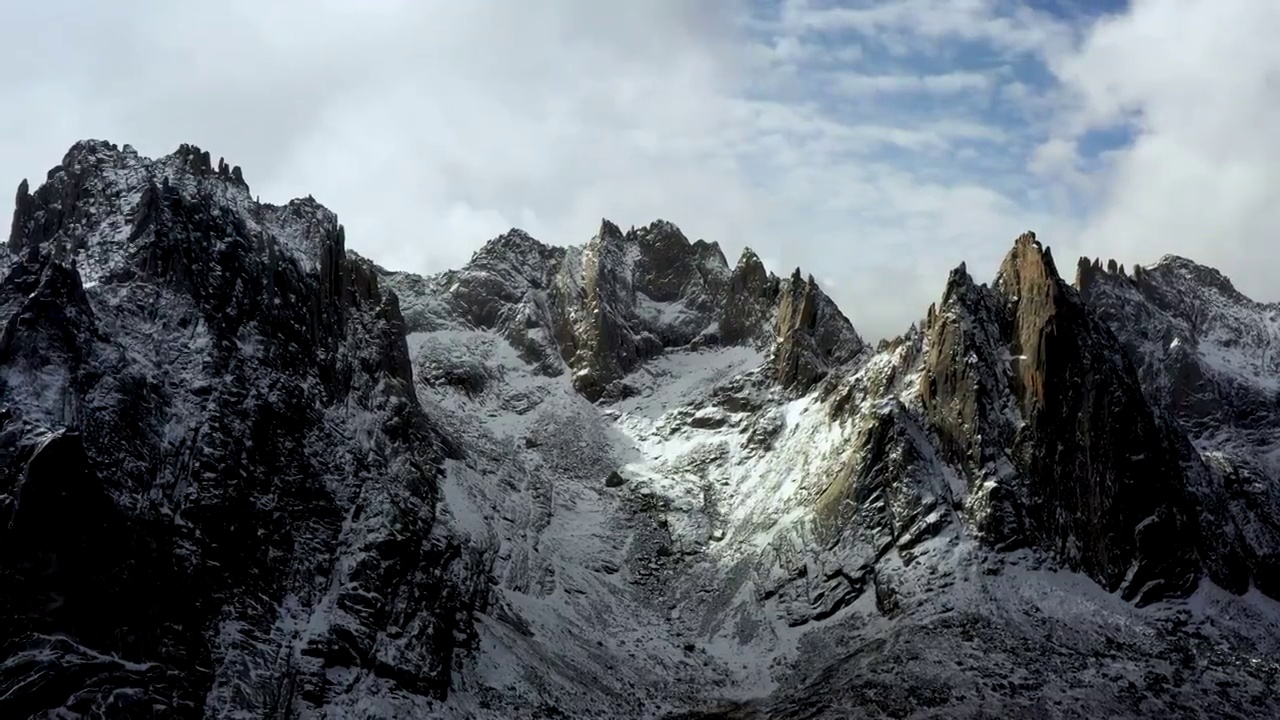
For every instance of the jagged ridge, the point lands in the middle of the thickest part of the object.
(1209, 357)
(707, 460)
(600, 310)
(229, 395)
(1054, 431)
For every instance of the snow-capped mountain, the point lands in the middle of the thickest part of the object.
(249, 474)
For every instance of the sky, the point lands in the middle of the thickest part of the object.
(875, 145)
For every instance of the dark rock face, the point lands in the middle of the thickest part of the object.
(1207, 355)
(892, 496)
(1204, 351)
(669, 268)
(606, 347)
(218, 489)
(80, 574)
(1034, 397)
(1236, 342)
(642, 291)
(514, 285)
(750, 300)
(813, 335)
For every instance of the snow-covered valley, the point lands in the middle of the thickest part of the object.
(634, 581)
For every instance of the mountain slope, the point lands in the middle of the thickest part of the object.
(621, 479)
(785, 512)
(1210, 357)
(1053, 430)
(224, 398)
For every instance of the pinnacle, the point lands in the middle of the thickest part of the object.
(663, 226)
(748, 257)
(609, 230)
(957, 280)
(1029, 260)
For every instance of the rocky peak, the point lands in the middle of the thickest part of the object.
(1186, 270)
(1207, 355)
(99, 201)
(199, 162)
(751, 295)
(17, 231)
(1039, 404)
(812, 335)
(965, 383)
(54, 209)
(602, 309)
(665, 236)
(88, 154)
(518, 258)
(230, 393)
(669, 268)
(1205, 350)
(749, 264)
(1028, 279)
(515, 285)
(607, 346)
(711, 258)
(609, 232)
(514, 240)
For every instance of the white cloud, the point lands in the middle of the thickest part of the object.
(791, 49)
(430, 127)
(943, 83)
(1057, 157)
(398, 114)
(1014, 30)
(1201, 79)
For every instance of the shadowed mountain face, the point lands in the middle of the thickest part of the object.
(1210, 358)
(208, 437)
(1054, 431)
(246, 473)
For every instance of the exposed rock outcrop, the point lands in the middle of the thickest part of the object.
(1046, 414)
(607, 345)
(601, 310)
(812, 335)
(224, 396)
(750, 301)
(1209, 357)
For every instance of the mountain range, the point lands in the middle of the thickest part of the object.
(248, 473)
